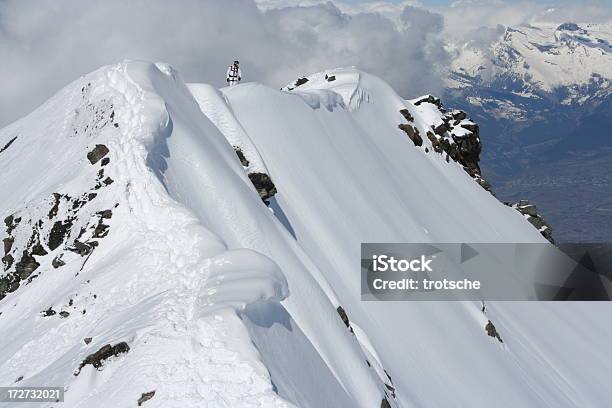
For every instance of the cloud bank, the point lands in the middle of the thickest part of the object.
(45, 44)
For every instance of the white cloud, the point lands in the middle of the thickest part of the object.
(45, 44)
(465, 18)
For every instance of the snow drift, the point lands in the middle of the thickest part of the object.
(131, 222)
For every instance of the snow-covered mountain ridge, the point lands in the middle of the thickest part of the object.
(141, 264)
(567, 63)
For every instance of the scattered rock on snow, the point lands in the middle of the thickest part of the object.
(97, 153)
(413, 133)
(530, 211)
(26, 265)
(8, 244)
(145, 397)
(48, 312)
(59, 232)
(343, 316)
(391, 389)
(6, 146)
(298, 82)
(406, 114)
(55, 208)
(8, 284)
(11, 223)
(388, 376)
(58, 262)
(441, 129)
(430, 99)
(301, 81)
(82, 248)
(241, 157)
(97, 359)
(108, 181)
(101, 229)
(49, 221)
(22, 258)
(492, 331)
(264, 185)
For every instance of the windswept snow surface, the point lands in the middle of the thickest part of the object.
(225, 303)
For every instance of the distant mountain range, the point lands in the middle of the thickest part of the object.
(542, 95)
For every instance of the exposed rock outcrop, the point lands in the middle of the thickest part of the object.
(97, 359)
(410, 129)
(530, 211)
(492, 331)
(264, 185)
(145, 397)
(390, 389)
(49, 312)
(243, 160)
(97, 153)
(343, 316)
(451, 133)
(413, 133)
(42, 227)
(298, 82)
(6, 146)
(429, 99)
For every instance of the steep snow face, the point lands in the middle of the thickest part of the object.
(335, 168)
(131, 222)
(212, 103)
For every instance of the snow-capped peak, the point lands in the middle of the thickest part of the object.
(540, 57)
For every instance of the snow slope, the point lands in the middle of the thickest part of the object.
(163, 243)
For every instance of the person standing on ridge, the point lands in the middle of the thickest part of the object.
(234, 74)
